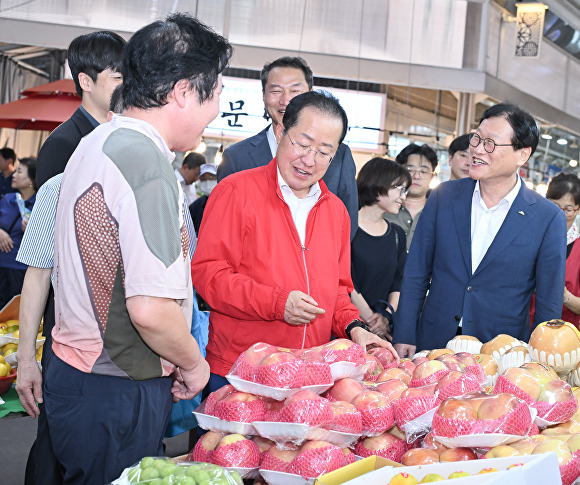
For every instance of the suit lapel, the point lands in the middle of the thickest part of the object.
(515, 221)
(260, 152)
(462, 216)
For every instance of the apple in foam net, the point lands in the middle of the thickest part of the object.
(497, 406)
(209, 441)
(374, 367)
(538, 369)
(419, 360)
(258, 351)
(345, 389)
(407, 365)
(384, 356)
(451, 361)
(562, 450)
(426, 369)
(448, 379)
(391, 389)
(437, 352)
(556, 391)
(423, 391)
(419, 456)
(370, 400)
(457, 454)
(380, 442)
(394, 373)
(524, 380)
(457, 409)
(236, 450)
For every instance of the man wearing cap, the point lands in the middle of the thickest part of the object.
(207, 182)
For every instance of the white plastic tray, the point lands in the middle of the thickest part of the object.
(487, 440)
(340, 370)
(281, 478)
(212, 423)
(248, 473)
(298, 433)
(277, 393)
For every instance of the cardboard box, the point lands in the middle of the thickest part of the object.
(358, 473)
(11, 311)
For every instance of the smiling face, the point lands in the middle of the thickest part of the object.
(392, 202)
(502, 164)
(282, 85)
(315, 129)
(459, 164)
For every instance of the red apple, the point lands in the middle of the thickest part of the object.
(457, 454)
(374, 368)
(428, 372)
(524, 380)
(349, 456)
(346, 418)
(423, 391)
(281, 369)
(273, 408)
(556, 391)
(205, 445)
(306, 407)
(247, 363)
(539, 369)
(437, 352)
(432, 444)
(385, 445)
(407, 365)
(241, 407)
(451, 361)
(278, 460)
(236, 450)
(457, 409)
(345, 390)
(391, 389)
(419, 456)
(376, 411)
(495, 407)
(394, 373)
(216, 396)
(419, 360)
(385, 357)
(466, 359)
(343, 350)
(316, 458)
(317, 371)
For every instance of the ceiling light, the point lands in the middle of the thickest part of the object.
(546, 136)
(573, 163)
(562, 141)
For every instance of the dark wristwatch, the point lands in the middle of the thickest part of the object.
(355, 323)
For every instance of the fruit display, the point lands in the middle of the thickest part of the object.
(161, 471)
(465, 343)
(556, 343)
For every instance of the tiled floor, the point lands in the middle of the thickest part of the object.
(18, 433)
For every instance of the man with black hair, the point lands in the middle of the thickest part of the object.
(484, 246)
(7, 160)
(122, 283)
(283, 79)
(95, 63)
(421, 161)
(188, 174)
(274, 258)
(459, 158)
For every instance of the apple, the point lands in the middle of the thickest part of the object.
(236, 450)
(403, 478)
(374, 368)
(205, 445)
(376, 411)
(385, 445)
(573, 442)
(385, 357)
(501, 451)
(346, 418)
(216, 396)
(419, 456)
(538, 368)
(241, 407)
(343, 350)
(317, 371)
(423, 391)
(391, 389)
(465, 359)
(451, 361)
(524, 380)
(419, 360)
(306, 407)
(432, 477)
(407, 365)
(432, 444)
(394, 373)
(281, 369)
(248, 361)
(562, 450)
(458, 474)
(345, 390)
(349, 456)
(497, 406)
(556, 391)
(428, 372)
(278, 460)
(264, 444)
(571, 426)
(316, 458)
(397, 433)
(457, 409)
(488, 363)
(457, 454)
(437, 352)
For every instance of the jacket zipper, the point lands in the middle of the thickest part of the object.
(307, 290)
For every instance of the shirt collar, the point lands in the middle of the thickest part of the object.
(509, 198)
(90, 117)
(313, 192)
(272, 140)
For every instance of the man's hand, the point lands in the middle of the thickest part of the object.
(379, 325)
(29, 385)
(188, 384)
(405, 350)
(6, 243)
(368, 340)
(24, 224)
(300, 308)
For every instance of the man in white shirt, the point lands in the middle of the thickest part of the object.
(483, 246)
(188, 174)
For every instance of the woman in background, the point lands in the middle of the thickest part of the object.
(14, 213)
(378, 250)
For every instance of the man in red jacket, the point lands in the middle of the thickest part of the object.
(274, 259)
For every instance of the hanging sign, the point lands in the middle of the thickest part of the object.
(529, 29)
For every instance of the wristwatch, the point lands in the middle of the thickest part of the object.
(355, 323)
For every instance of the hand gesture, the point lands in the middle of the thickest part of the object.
(300, 308)
(188, 384)
(379, 325)
(369, 340)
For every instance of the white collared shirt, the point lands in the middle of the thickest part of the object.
(272, 140)
(486, 222)
(299, 208)
(188, 189)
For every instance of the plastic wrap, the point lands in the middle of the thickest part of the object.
(216, 396)
(346, 418)
(213, 423)
(418, 427)
(456, 384)
(428, 373)
(317, 370)
(150, 469)
(376, 412)
(343, 350)
(385, 445)
(385, 357)
(413, 403)
(242, 453)
(307, 408)
(373, 368)
(240, 407)
(317, 458)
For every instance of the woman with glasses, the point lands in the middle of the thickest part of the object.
(564, 191)
(378, 250)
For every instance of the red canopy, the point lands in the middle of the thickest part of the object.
(46, 107)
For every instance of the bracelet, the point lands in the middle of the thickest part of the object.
(354, 324)
(569, 295)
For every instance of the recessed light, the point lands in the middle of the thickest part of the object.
(562, 141)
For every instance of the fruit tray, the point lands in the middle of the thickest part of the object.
(212, 423)
(281, 478)
(277, 393)
(487, 440)
(298, 433)
(340, 370)
(246, 473)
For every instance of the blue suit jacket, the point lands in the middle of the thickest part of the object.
(340, 178)
(527, 254)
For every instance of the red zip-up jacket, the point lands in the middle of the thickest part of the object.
(249, 258)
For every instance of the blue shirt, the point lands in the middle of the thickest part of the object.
(6, 185)
(11, 222)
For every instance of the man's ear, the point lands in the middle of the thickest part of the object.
(181, 91)
(525, 154)
(85, 82)
(279, 132)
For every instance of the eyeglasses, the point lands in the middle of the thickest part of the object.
(303, 150)
(423, 173)
(488, 144)
(403, 190)
(569, 210)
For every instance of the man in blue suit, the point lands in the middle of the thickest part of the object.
(283, 79)
(483, 245)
